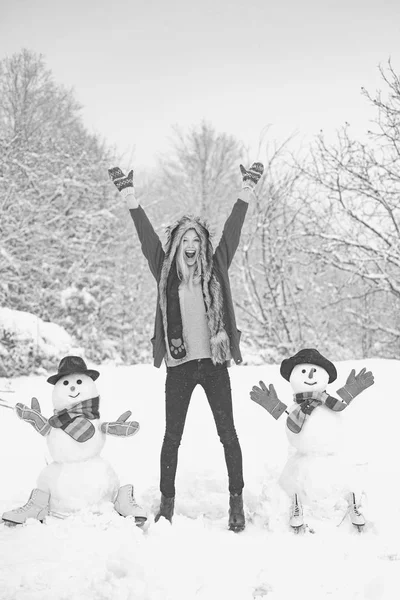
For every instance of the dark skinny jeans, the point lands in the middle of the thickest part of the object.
(179, 386)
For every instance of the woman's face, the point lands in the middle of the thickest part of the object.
(190, 247)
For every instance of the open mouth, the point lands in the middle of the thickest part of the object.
(71, 396)
(190, 253)
(314, 383)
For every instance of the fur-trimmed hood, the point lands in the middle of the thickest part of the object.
(175, 234)
(212, 292)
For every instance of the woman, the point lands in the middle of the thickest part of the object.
(195, 329)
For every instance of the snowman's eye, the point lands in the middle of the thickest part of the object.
(314, 370)
(65, 382)
(303, 371)
(79, 381)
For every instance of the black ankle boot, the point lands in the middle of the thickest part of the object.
(166, 509)
(236, 514)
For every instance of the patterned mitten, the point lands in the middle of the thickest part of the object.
(123, 183)
(33, 416)
(121, 427)
(268, 399)
(355, 384)
(252, 176)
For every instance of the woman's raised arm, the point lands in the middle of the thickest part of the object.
(229, 242)
(150, 242)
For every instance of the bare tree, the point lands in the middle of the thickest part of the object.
(269, 266)
(357, 193)
(201, 173)
(31, 105)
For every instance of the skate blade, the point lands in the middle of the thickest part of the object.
(302, 529)
(298, 529)
(58, 515)
(8, 523)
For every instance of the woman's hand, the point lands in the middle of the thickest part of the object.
(124, 184)
(252, 176)
(250, 179)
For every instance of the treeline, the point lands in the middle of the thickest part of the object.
(319, 260)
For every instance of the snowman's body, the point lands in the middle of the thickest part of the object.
(78, 477)
(63, 448)
(316, 469)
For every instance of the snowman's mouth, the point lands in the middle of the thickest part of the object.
(190, 253)
(314, 383)
(71, 396)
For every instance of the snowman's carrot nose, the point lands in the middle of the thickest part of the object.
(311, 373)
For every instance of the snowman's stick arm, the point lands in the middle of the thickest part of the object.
(5, 404)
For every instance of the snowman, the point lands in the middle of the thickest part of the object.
(317, 473)
(78, 478)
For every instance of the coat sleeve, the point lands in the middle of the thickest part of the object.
(230, 238)
(150, 242)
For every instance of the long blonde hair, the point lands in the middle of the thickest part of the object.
(182, 268)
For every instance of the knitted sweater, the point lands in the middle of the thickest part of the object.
(194, 322)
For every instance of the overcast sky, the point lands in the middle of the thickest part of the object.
(138, 68)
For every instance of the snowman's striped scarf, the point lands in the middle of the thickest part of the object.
(75, 419)
(305, 403)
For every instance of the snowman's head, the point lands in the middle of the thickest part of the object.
(308, 371)
(73, 388)
(308, 378)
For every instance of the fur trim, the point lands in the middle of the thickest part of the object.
(212, 292)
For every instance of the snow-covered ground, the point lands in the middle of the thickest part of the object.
(104, 556)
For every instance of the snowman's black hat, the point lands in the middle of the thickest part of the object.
(72, 364)
(308, 356)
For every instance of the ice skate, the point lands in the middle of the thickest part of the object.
(236, 515)
(166, 509)
(296, 520)
(37, 507)
(355, 515)
(126, 505)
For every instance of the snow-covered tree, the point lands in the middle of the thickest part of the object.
(357, 200)
(59, 225)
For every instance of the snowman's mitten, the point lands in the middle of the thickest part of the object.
(251, 176)
(123, 183)
(268, 399)
(35, 404)
(121, 427)
(33, 416)
(355, 384)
